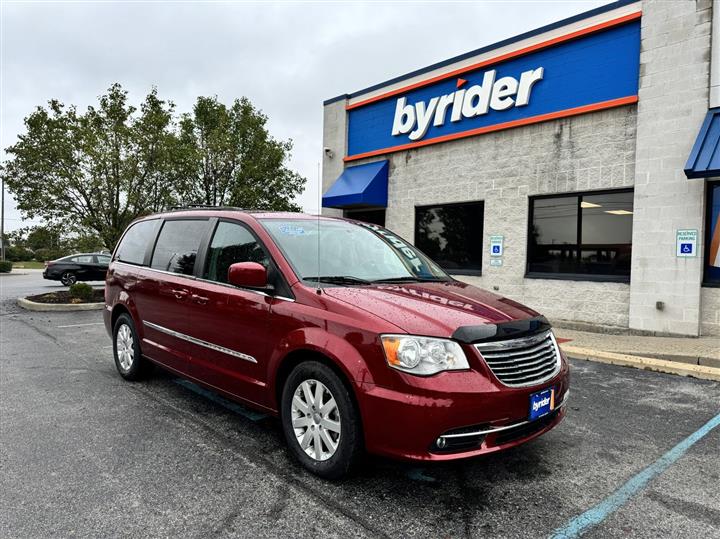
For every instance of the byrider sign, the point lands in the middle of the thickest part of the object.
(475, 101)
(579, 73)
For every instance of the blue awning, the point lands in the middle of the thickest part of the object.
(360, 186)
(704, 160)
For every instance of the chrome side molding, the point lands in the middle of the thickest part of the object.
(200, 342)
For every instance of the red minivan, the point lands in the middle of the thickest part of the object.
(354, 338)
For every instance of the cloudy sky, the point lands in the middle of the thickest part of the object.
(287, 57)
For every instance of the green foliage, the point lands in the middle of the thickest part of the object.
(43, 237)
(85, 243)
(81, 291)
(43, 255)
(5, 266)
(18, 254)
(229, 158)
(92, 173)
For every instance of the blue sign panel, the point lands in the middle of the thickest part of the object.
(595, 71)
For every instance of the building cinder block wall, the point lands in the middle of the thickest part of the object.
(673, 100)
(335, 139)
(592, 151)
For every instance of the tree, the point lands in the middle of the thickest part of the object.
(42, 237)
(229, 158)
(94, 171)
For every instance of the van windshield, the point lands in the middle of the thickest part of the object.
(350, 253)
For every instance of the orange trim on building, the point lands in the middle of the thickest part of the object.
(514, 54)
(499, 127)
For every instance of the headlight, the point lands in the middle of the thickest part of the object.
(423, 355)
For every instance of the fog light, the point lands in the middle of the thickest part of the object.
(440, 443)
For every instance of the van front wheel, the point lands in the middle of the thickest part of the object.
(320, 421)
(126, 349)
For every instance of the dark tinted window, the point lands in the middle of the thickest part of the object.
(231, 243)
(374, 217)
(135, 242)
(177, 245)
(712, 235)
(451, 235)
(581, 234)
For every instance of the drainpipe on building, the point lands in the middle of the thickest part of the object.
(715, 56)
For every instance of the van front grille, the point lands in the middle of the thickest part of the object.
(522, 362)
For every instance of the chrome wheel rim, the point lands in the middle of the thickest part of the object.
(124, 347)
(68, 279)
(315, 420)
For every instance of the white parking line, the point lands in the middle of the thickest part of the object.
(81, 325)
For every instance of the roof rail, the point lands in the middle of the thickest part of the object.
(195, 207)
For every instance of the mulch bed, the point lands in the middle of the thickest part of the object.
(63, 296)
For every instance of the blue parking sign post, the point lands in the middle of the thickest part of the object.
(686, 243)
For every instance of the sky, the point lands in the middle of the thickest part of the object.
(286, 57)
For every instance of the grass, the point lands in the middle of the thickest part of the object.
(30, 264)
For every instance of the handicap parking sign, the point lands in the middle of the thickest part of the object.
(496, 245)
(686, 242)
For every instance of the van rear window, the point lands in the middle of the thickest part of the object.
(135, 242)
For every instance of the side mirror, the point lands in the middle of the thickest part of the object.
(248, 275)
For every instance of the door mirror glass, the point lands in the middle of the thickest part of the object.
(247, 275)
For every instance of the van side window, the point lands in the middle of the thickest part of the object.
(177, 245)
(231, 243)
(135, 241)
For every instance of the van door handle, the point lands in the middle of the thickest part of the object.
(199, 299)
(180, 294)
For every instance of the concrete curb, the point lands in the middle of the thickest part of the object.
(645, 363)
(47, 307)
(12, 273)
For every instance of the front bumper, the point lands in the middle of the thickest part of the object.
(483, 416)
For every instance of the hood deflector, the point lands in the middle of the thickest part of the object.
(501, 331)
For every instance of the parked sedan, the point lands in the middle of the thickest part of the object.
(80, 267)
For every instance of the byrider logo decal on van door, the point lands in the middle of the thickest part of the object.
(594, 71)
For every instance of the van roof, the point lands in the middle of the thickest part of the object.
(229, 210)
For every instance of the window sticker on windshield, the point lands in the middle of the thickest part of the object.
(292, 230)
(411, 256)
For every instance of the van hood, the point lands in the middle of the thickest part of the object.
(433, 309)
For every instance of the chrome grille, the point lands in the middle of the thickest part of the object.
(522, 362)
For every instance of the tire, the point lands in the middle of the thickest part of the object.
(126, 348)
(321, 425)
(68, 278)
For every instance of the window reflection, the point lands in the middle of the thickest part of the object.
(451, 235)
(601, 221)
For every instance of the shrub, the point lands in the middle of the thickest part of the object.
(18, 254)
(82, 291)
(5, 266)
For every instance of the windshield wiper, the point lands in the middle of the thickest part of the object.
(338, 279)
(410, 278)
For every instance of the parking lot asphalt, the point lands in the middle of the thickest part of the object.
(84, 453)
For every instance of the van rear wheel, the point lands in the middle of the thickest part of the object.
(320, 420)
